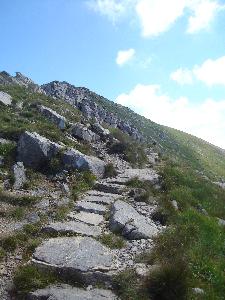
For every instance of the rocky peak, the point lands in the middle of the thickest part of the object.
(20, 79)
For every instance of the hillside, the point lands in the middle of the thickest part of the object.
(108, 203)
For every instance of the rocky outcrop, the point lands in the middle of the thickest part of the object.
(80, 258)
(5, 98)
(18, 175)
(20, 79)
(126, 220)
(81, 132)
(101, 131)
(53, 116)
(88, 103)
(74, 159)
(35, 150)
(67, 292)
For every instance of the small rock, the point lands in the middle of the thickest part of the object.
(33, 217)
(221, 222)
(198, 291)
(19, 175)
(174, 204)
(5, 98)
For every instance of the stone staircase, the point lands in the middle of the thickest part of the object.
(77, 252)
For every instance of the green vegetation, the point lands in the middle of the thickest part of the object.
(110, 171)
(2, 254)
(8, 151)
(29, 278)
(129, 287)
(147, 190)
(17, 213)
(130, 150)
(8, 243)
(195, 240)
(113, 241)
(18, 200)
(81, 183)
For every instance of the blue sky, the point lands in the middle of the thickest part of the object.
(163, 59)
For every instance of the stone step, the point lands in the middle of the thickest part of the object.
(111, 188)
(87, 218)
(131, 224)
(67, 292)
(82, 259)
(102, 194)
(73, 227)
(104, 200)
(90, 207)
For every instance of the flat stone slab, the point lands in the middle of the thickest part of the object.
(112, 188)
(142, 174)
(78, 258)
(105, 200)
(72, 227)
(67, 292)
(87, 218)
(91, 207)
(102, 194)
(131, 224)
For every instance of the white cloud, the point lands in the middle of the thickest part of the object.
(123, 56)
(205, 120)
(204, 13)
(158, 16)
(182, 76)
(112, 9)
(211, 72)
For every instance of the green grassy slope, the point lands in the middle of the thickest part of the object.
(175, 144)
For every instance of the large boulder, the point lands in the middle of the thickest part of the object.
(131, 224)
(19, 175)
(67, 292)
(5, 98)
(76, 258)
(53, 116)
(74, 159)
(35, 150)
(81, 132)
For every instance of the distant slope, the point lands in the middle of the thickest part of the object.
(172, 143)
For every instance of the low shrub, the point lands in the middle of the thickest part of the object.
(2, 254)
(29, 277)
(9, 243)
(113, 241)
(168, 282)
(129, 287)
(110, 171)
(82, 182)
